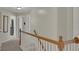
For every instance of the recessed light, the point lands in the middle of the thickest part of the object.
(19, 8)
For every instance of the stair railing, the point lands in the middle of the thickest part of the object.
(60, 44)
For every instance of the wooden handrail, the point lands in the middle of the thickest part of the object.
(59, 43)
(75, 40)
(42, 38)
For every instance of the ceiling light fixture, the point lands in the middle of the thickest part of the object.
(19, 8)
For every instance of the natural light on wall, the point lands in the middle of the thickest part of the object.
(42, 12)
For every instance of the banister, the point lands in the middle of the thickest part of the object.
(42, 38)
(75, 40)
(59, 43)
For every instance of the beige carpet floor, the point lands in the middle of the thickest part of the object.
(11, 45)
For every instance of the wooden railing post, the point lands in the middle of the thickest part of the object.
(76, 40)
(20, 37)
(61, 43)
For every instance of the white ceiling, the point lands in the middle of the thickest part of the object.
(24, 10)
(14, 9)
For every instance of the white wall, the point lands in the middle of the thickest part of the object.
(6, 36)
(62, 22)
(75, 21)
(46, 22)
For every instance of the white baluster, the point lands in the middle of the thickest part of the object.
(49, 46)
(46, 46)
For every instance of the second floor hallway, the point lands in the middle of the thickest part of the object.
(39, 28)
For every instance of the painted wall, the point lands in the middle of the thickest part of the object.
(6, 36)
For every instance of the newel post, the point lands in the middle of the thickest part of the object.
(61, 43)
(20, 37)
(76, 40)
